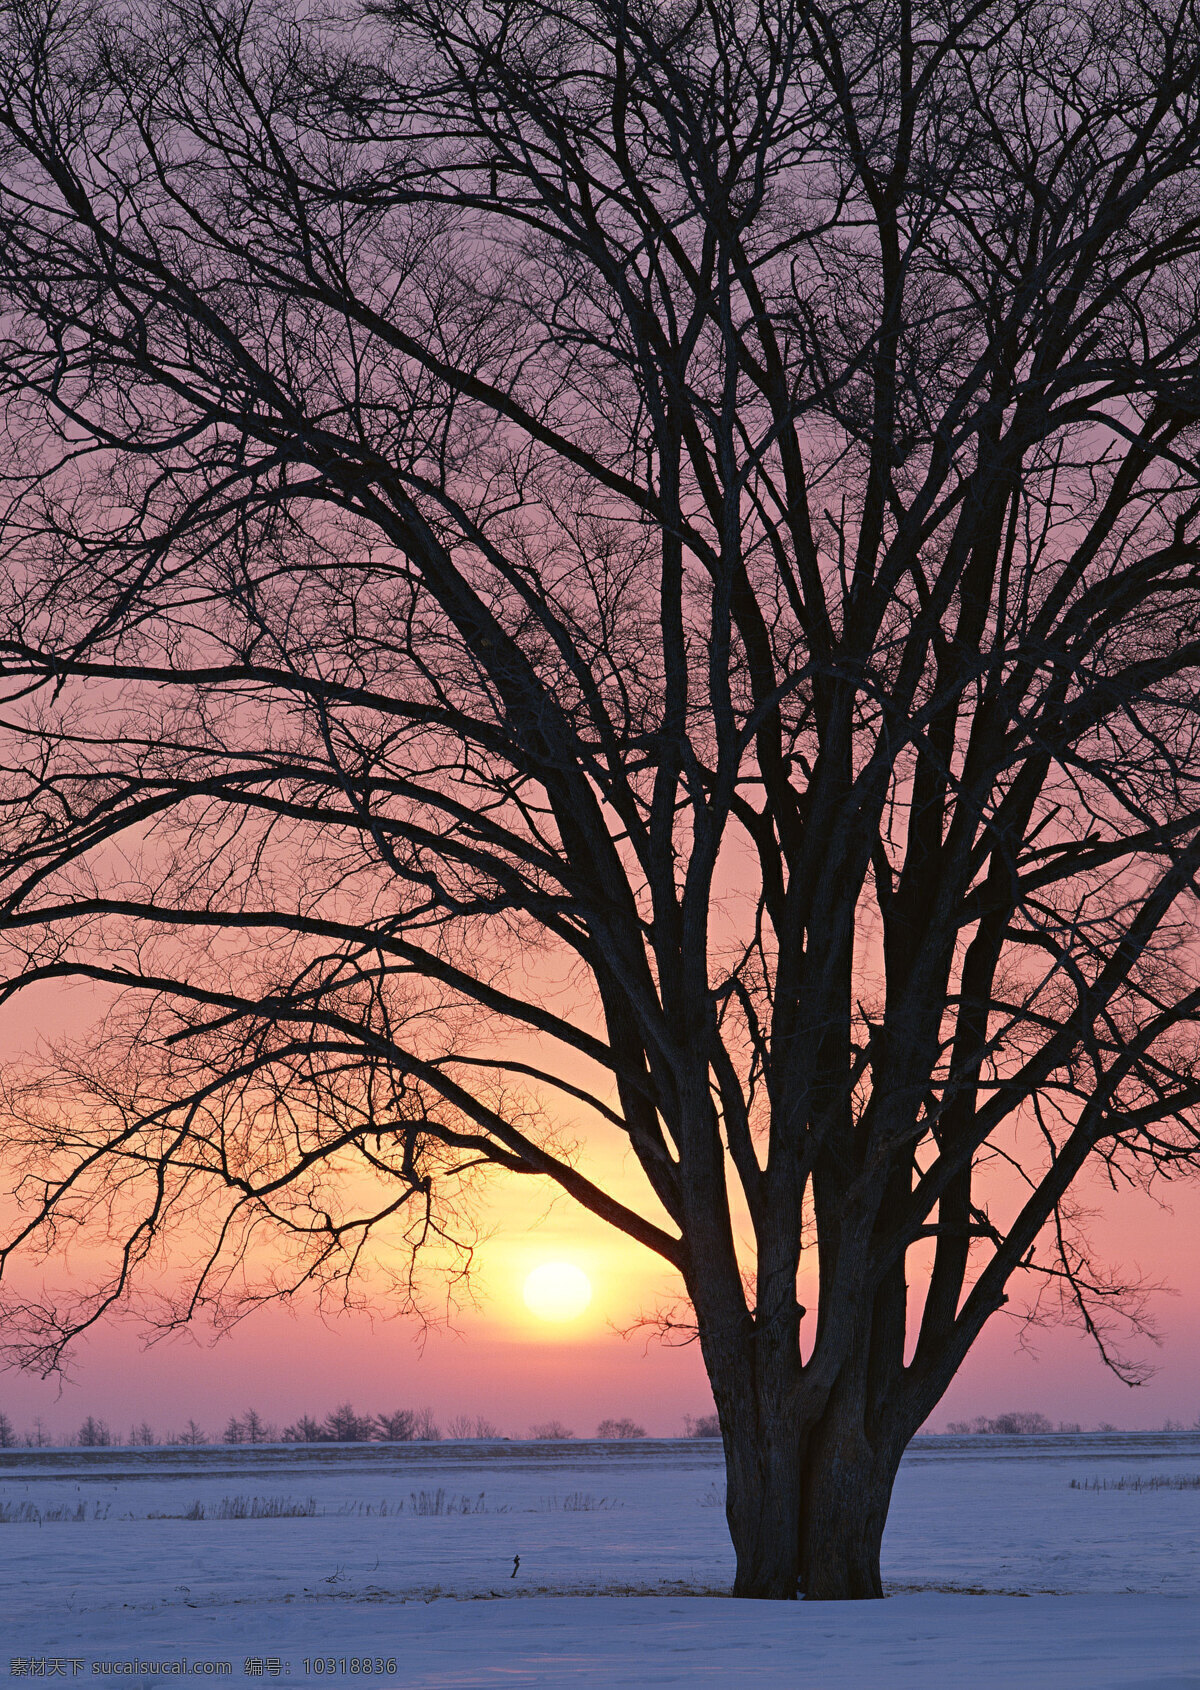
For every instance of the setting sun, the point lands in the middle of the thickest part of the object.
(558, 1291)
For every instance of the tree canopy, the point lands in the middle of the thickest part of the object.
(610, 566)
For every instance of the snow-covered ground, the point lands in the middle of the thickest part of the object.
(396, 1563)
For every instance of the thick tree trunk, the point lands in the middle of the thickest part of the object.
(763, 1479)
(806, 1509)
(755, 1378)
(846, 1491)
(809, 1470)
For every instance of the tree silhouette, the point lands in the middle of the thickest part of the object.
(306, 1430)
(344, 1426)
(94, 1434)
(620, 1429)
(593, 570)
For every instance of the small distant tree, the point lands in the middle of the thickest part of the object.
(191, 1437)
(8, 1437)
(1018, 1423)
(398, 1427)
(141, 1436)
(472, 1426)
(344, 1426)
(550, 1429)
(235, 1432)
(702, 1426)
(428, 1430)
(94, 1434)
(620, 1429)
(256, 1430)
(306, 1430)
(39, 1438)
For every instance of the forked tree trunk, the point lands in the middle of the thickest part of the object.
(762, 1506)
(755, 1378)
(806, 1510)
(847, 1488)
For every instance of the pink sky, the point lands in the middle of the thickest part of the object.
(500, 1362)
(497, 1363)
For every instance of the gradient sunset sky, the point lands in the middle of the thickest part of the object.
(496, 1359)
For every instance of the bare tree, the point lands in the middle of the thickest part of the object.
(8, 1438)
(1018, 1423)
(94, 1434)
(582, 570)
(428, 1430)
(192, 1436)
(472, 1426)
(400, 1426)
(548, 1431)
(344, 1426)
(620, 1429)
(306, 1430)
(405, 1424)
(255, 1429)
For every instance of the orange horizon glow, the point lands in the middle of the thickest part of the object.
(496, 1356)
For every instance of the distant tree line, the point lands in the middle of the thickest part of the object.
(1018, 1423)
(1026, 1423)
(342, 1425)
(548, 1430)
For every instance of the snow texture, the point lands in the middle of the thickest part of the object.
(1001, 1576)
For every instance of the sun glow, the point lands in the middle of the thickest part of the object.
(557, 1291)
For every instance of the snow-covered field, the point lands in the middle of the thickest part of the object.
(396, 1563)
